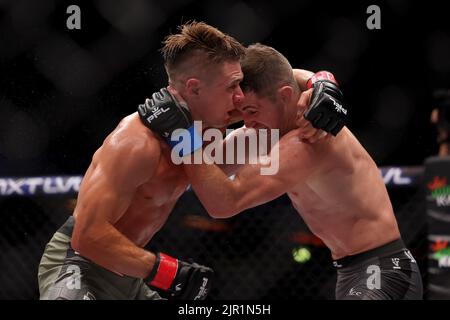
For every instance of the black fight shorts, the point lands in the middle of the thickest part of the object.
(389, 272)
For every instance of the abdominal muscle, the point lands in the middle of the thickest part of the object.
(141, 222)
(346, 230)
(153, 203)
(347, 205)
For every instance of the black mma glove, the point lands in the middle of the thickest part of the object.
(326, 110)
(182, 280)
(163, 114)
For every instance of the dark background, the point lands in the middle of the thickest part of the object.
(62, 91)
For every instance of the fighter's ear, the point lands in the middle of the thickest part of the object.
(192, 86)
(285, 93)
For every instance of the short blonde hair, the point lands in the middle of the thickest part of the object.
(199, 39)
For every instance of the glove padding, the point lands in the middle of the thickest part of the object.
(326, 111)
(182, 280)
(163, 114)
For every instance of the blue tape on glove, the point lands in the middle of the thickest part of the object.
(187, 140)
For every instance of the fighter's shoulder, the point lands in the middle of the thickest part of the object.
(291, 146)
(132, 138)
(290, 139)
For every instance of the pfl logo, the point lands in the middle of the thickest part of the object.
(156, 112)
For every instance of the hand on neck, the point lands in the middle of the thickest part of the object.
(292, 112)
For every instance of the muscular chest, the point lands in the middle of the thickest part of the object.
(309, 201)
(167, 184)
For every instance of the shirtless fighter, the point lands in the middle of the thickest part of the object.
(131, 187)
(333, 184)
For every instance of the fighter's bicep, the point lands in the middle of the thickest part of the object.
(101, 201)
(259, 190)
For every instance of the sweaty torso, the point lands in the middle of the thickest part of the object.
(153, 201)
(344, 200)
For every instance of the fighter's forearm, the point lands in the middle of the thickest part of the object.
(217, 193)
(106, 246)
(302, 77)
(229, 169)
(223, 197)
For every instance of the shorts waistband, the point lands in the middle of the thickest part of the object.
(381, 251)
(67, 227)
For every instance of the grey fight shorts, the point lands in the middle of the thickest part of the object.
(65, 275)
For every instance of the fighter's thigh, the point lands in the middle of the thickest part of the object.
(361, 283)
(381, 285)
(362, 292)
(73, 283)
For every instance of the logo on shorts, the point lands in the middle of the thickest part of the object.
(410, 256)
(89, 296)
(396, 262)
(353, 292)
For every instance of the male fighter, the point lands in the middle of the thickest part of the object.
(334, 184)
(131, 187)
